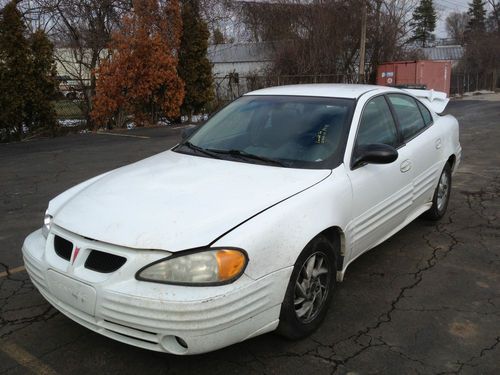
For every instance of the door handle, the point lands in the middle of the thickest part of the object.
(438, 143)
(405, 166)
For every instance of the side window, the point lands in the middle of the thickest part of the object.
(408, 114)
(425, 114)
(377, 124)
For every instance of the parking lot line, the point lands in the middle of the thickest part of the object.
(25, 359)
(124, 135)
(12, 271)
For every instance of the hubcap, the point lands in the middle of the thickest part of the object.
(312, 287)
(442, 193)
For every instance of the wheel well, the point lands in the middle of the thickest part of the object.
(451, 160)
(336, 236)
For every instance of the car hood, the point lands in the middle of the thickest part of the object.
(174, 202)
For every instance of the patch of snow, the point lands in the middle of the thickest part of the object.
(67, 123)
(480, 92)
(195, 118)
(163, 122)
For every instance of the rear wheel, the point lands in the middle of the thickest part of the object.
(441, 196)
(310, 290)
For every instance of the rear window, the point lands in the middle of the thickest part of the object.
(425, 113)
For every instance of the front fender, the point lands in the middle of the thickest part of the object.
(275, 238)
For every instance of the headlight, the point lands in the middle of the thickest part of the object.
(47, 221)
(206, 267)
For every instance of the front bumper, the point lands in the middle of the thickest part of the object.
(151, 315)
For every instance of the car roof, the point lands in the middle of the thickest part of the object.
(333, 90)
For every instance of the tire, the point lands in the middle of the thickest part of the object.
(441, 196)
(316, 291)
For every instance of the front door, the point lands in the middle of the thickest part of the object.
(382, 193)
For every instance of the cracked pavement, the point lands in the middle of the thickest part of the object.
(427, 301)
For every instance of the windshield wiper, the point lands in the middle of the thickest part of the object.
(245, 155)
(200, 149)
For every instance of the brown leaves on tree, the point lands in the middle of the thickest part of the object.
(140, 76)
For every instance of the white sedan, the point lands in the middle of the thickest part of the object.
(246, 225)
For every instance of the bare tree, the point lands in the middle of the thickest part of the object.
(389, 33)
(482, 51)
(494, 15)
(312, 38)
(81, 30)
(456, 26)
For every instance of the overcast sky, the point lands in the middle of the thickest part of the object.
(445, 7)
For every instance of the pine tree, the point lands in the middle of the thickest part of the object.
(218, 37)
(194, 66)
(424, 22)
(477, 14)
(140, 77)
(15, 72)
(40, 112)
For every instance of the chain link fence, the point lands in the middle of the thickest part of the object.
(72, 104)
(462, 82)
(232, 86)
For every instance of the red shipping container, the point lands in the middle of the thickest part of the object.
(431, 73)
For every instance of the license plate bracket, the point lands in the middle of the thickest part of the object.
(72, 292)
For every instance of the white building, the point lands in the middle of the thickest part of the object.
(240, 67)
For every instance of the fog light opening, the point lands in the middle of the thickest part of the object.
(181, 342)
(174, 344)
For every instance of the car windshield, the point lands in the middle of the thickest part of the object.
(292, 131)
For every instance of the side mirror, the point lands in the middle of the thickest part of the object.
(376, 153)
(188, 131)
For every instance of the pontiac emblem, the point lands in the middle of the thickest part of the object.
(75, 254)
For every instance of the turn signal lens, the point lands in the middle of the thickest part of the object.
(230, 262)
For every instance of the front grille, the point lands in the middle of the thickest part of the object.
(63, 247)
(104, 262)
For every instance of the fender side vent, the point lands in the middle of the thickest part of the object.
(104, 262)
(63, 247)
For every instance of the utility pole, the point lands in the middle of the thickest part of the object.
(362, 46)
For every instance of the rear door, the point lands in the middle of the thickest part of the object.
(382, 193)
(424, 143)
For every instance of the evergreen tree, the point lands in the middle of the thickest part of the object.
(15, 73)
(424, 22)
(218, 37)
(40, 112)
(477, 14)
(194, 67)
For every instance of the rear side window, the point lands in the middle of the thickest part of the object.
(425, 114)
(377, 124)
(409, 116)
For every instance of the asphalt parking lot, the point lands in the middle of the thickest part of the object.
(427, 301)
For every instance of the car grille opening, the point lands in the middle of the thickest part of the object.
(104, 262)
(132, 328)
(63, 247)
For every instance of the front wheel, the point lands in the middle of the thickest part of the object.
(441, 196)
(309, 291)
